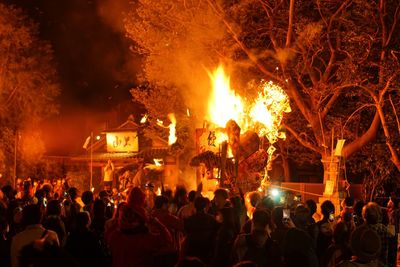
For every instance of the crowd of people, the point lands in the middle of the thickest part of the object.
(41, 226)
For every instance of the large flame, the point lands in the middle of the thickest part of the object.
(172, 129)
(263, 115)
(266, 113)
(223, 104)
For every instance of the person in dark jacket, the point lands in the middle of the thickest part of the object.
(200, 229)
(226, 236)
(258, 246)
(83, 245)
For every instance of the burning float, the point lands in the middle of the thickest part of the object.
(235, 147)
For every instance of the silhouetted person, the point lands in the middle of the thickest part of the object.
(372, 214)
(83, 245)
(226, 236)
(53, 221)
(31, 217)
(366, 247)
(258, 245)
(200, 229)
(132, 245)
(340, 249)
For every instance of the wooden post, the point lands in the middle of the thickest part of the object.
(222, 169)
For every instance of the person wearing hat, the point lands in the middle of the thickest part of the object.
(366, 246)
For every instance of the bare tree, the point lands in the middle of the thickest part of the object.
(335, 59)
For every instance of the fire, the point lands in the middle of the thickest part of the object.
(263, 115)
(268, 109)
(172, 129)
(158, 193)
(223, 104)
(157, 162)
(144, 119)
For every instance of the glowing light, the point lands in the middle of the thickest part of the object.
(158, 162)
(263, 115)
(158, 193)
(172, 129)
(98, 137)
(223, 104)
(188, 112)
(160, 123)
(144, 119)
(92, 189)
(274, 192)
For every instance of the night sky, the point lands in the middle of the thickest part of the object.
(95, 65)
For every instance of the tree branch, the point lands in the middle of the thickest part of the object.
(305, 143)
(387, 86)
(296, 96)
(395, 20)
(395, 156)
(333, 99)
(395, 113)
(332, 57)
(290, 26)
(251, 56)
(367, 137)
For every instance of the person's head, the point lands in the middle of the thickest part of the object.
(358, 207)
(27, 187)
(31, 214)
(220, 197)
(47, 189)
(266, 203)
(200, 204)
(312, 206)
(372, 213)
(82, 220)
(301, 217)
(136, 197)
(261, 219)
(348, 202)
(99, 208)
(277, 217)
(129, 219)
(8, 191)
(192, 196)
(180, 197)
(73, 192)
(161, 203)
(341, 234)
(53, 208)
(87, 197)
(327, 208)
(226, 217)
(365, 244)
(190, 262)
(103, 195)
(40, 194)
(168, 194)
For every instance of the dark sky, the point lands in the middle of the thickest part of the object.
(95, 64)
